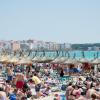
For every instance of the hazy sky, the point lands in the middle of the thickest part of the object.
(72, 21)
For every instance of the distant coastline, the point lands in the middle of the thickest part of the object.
(86, 46)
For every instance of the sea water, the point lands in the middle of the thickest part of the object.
(76, 54)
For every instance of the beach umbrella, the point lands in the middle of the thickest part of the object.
(5, 58)
(13, 60)
(45, 60)
(95, 61)
(59, 60)
(36, 59)
(56, 60)
(71, 61)
(62, 59)
(27, 57)
(24, 61)
(84, 60)
(53, 58)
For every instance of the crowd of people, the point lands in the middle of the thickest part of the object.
(23, 82)
(84, 88)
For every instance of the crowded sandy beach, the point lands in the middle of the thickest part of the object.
(60, 78)
(49, 49)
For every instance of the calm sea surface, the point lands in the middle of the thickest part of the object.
(71, 54)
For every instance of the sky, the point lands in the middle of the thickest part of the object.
(70, 21)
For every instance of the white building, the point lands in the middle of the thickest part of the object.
(15, 46)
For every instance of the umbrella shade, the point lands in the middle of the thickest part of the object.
(96, 61)
(62, 59)
(71, 61)
(56, 60)
(44, 60)
(83, 60)
(4, 58)
(13, 60)
(36, 59)
(24, 61)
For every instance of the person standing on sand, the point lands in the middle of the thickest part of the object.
(37, 83)
(61, 73)
(9, 74)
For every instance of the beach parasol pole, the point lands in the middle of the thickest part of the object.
(97, 54)
(83, 55)
(74, 56)
(43, 53)
(94, 56)
(68, 54)
(97, 57)
(30, 51)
